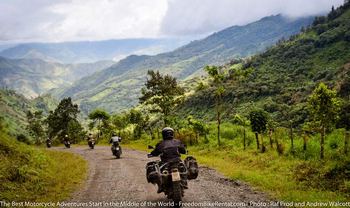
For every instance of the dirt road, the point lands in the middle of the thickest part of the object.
(122, 183)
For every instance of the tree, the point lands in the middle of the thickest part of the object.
(119, 121)
(323, 108)
(75, 131)
(58, 119)
(344, 122)
(271, 125)
(289, 122)
(140, 120)
(35, 126)
(99, 119)
(258, 121)
(218, 77)
(199, 127)
(2, 124)
(237, 119)
(161, 91)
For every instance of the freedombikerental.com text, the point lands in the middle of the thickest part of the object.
(171, 204)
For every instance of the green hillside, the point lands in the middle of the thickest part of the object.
(268, 128)
(280, 79)
(33, 77)
(32, 174)
(13, 108)
(117, 88)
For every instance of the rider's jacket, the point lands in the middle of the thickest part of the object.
(115, 140)
(169, 150)
(90, 139)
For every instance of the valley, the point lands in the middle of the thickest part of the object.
(253, 103)
(184, 62)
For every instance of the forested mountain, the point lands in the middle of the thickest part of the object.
(280, 79)
(32, 77)
(14, 106)
(118, 87)
(90, 51)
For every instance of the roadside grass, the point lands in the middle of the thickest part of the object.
(34, 174)
(288, 177)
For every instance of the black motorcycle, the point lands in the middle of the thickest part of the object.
(116, 150)
(91, 144)
(67, 144)
(48, 143)
(172, 176)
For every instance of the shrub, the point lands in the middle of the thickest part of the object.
(23, 138)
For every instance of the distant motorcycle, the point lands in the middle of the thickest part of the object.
(67, 144)
(173, 176)
(91, 144)
(116, 150)
(48, 143)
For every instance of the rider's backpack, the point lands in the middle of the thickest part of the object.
(152, 172)
(192, 167)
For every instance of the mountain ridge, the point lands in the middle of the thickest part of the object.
(90, 51)
(219, 47)
(33, 77)
(280, 79)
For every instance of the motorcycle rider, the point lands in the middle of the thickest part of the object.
(169, 149)
(65, 139)
(115, 140)
(48, 142)
(90, 139)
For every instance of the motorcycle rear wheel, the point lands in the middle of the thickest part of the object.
(177, 193)
(117, 154)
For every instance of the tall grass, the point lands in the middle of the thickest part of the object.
(34, 174)
(296, 175)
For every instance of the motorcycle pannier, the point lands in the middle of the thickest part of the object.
(152, 172)
(192, 167)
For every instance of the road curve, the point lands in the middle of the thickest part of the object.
(121, 182)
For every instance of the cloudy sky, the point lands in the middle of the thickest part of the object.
(72, 20)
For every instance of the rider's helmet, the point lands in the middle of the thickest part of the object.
(66, 136)
(168, 133)
(114, 134)
(90, 134)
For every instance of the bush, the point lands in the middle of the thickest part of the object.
(230, 132)
(23, 138)
(187, 137)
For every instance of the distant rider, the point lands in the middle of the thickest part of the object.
(90, 138)
(48, 142)
(115, 139)
(66, 141)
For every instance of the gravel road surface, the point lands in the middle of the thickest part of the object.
(121, 182)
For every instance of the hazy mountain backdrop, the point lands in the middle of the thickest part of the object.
(90, 51)
(32, 77)
(118, 87)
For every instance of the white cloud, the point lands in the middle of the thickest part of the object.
(70, 20)
(107, 19)
(40, 20)
(20, 19)
(203, 16)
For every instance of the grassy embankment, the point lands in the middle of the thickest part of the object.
(298, 176)
(33, 174)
